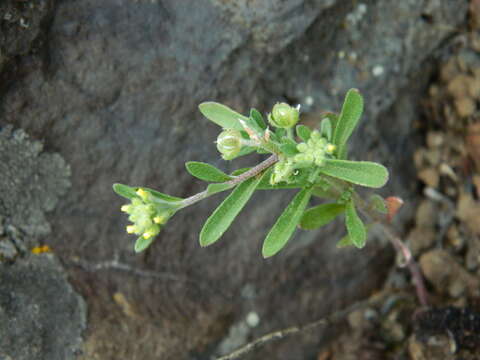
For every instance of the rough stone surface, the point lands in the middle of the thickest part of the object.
(117, 97)
(41, 316)
(31, 181)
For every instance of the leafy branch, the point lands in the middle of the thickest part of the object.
(314, 161)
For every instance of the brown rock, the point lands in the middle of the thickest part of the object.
(420, 238)
(425, 214)
(446, 275)
(429, 176)
(468, 210)
(465, 106)
(458, 86)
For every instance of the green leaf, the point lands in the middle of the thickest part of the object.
(326, 128)
(363, 173)
(125, 191)
(289, 149)
(161, 196)
(342, 153)
(283, 229)
(320, 215)
(351, 112)
(344, 242)
(224, 215)
(245, 151)
(303, 132)
(255, 115)
(142, 243)
(330, 116)
(222, 115)
(378, 204)
(262, 151)
(240, 171)
(356, 229)
(206, 172)
(280, 132)
(219, 187)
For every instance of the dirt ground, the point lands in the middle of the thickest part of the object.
(445, 237)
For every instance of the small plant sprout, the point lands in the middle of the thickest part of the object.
(312, 160)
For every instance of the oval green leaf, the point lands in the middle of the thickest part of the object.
(378, 204)
(344, 242)
(320, 215)
(356, 230)
(206, 172)
(326, 129)
(222, 115)
(255, 115)
(283, 229)
(125, 191)
(223, 216)
(141, 244)
(303, 132)
(350, 115)
(363, 173)
(161, 196)
(218, 187)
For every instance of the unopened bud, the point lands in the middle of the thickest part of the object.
(229, 143)
(283, 116)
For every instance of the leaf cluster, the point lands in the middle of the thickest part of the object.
(314, 161)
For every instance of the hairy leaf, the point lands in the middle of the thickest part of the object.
(283, 229)
(222, 115)
(219, 187)
(206, 172)
(356, 229)
(255, 115)
(303, 132)
(125, 191)
(289, 149)
(223, 216)
(320, 215)
(351, 112)
(363, 173)
(162, 196)
(240, 171)
(326, 128)
(378, 204)
(142, 243)
(344, 242)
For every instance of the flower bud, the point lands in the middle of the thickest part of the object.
(283, 116)
(229, 143)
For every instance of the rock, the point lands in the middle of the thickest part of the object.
(420, 238)
(114, 89)
(446, 275)
(42, 316)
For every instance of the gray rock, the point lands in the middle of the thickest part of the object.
(41, 316)
(117, 97)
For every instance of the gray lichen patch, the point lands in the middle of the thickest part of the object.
(41, 316)
(31, 181)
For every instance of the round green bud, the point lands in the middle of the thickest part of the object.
(283, 116)
(229, 143)
(302, 147)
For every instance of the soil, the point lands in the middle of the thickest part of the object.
(445, 237)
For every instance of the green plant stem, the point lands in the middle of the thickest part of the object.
(235, 181)
(290, 134)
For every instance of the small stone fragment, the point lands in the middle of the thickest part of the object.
(429, 176)
(465, 106)
(443, 271)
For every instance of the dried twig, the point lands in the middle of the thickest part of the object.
(281, 334)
